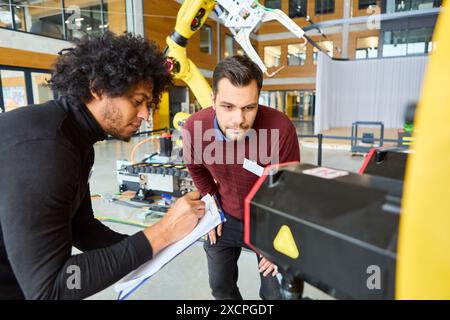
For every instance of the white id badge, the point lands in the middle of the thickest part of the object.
(253, 167)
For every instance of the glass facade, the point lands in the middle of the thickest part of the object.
(408, 5)
(229, 46)
(49, 17)
(364, 4)
(84, 19)
(298, 105)
(407, 42)
(6, 17)
(272, 55)
(14, 90)
(21, 87)
(326, 46)
(206, 39)
(296, 54)
(419, 41)
(273, 4)
(43, 17)
(297, 8)
(366, 48)
(324, 6)
(41, 93)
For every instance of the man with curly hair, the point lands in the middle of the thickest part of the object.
(106, 83)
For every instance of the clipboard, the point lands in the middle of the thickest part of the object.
(213, 217)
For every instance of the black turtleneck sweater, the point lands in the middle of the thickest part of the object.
(46, 156)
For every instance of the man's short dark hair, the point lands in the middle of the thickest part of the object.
(239, 70)
(110, 64)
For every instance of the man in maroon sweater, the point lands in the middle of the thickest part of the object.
(217, 144)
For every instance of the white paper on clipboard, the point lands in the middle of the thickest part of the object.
(213, 217)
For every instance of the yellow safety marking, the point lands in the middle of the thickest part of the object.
(284, 243)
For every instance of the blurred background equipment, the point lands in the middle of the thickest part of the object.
(362, 145)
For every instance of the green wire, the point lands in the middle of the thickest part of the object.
(264, 8)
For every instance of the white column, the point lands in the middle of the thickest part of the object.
(346, 28)
(135, 16)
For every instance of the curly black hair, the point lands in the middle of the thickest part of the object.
(110, 64)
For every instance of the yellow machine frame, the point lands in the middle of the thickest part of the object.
(423, 260)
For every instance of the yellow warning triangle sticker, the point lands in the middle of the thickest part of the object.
(284, 242)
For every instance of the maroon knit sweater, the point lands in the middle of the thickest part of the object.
(216, 165)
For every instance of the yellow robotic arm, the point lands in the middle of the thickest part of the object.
(242, 18)
(190, 19)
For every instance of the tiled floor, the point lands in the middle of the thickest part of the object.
(186, 276)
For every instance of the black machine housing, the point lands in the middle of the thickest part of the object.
(342, 227)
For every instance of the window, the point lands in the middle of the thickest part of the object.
(419, 41)
(5, 15)
(272, 56)
(229, 46)
(364, 4)
(300, 105)
(273, 4)
(264, 98)
(43, 17)
(276, 100)
(425, 4)
(324, 6)
(49, 18)
(206, 39)
(297, 8)
(407, 42)
(307, 105)
(367, 47)
(6, 20)
(21, 87)
(86, 18)
(395, 43)
(407, 5)
(297, 105)
(14, 89)
(41, 93)
(292, 99)
(296, 54)
(20, 18)
(326, 46)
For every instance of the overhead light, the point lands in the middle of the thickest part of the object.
(88, 28)
(79, 19)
